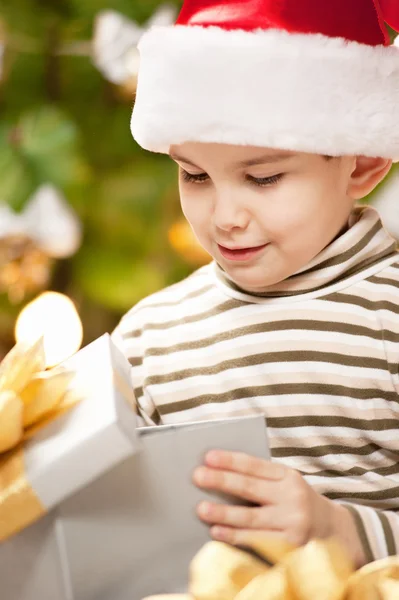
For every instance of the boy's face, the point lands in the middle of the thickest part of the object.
(262, 214)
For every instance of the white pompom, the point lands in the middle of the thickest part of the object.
(51, 223)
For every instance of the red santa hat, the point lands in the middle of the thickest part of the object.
(305, 75)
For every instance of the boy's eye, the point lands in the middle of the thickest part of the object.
(193, 178)
(265, 181)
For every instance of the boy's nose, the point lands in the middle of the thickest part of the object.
(229, 213)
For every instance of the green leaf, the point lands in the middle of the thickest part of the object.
(42, 147)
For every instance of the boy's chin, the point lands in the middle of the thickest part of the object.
(253, 284)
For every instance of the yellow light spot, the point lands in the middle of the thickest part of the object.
(184, 242)
(53, 316)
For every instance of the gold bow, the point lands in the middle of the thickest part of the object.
(321, 570)
(30, 397)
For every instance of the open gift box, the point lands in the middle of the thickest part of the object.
(120, 519)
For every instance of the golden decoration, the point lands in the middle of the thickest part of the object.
(30, 397)
(228, 571)
(20, 365)
(24, 268)
(11, 413)
(28, 393)
(320, 570)
(376, 581)
(19, 504)
(274, 580)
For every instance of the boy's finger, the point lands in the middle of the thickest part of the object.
(242, 537)
(243, 517)
(245, 464)
(247, 488)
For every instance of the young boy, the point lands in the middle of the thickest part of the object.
(280, 115)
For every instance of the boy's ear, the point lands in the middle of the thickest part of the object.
(366, 175)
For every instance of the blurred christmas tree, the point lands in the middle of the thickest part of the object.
(67, 80)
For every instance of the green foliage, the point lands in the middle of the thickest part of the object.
(38, 148)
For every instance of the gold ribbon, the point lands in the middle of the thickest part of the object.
(30, 398)
(19, 504)
(321, 570)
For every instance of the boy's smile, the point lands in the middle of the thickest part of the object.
(263, 214)
(241, 254)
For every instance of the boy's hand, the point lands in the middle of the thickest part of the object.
(287, 505)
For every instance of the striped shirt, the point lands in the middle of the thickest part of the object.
(317, 354)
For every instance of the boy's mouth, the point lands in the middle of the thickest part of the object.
(240, 254)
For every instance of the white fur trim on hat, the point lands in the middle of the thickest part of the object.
(271, 88)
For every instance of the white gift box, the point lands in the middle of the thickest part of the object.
(123, 522)
(96, 434)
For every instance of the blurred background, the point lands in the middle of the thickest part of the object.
(84, 212)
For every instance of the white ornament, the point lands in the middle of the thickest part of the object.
(54, 225)
(47, 220)
(115, 42)
(114, 36)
